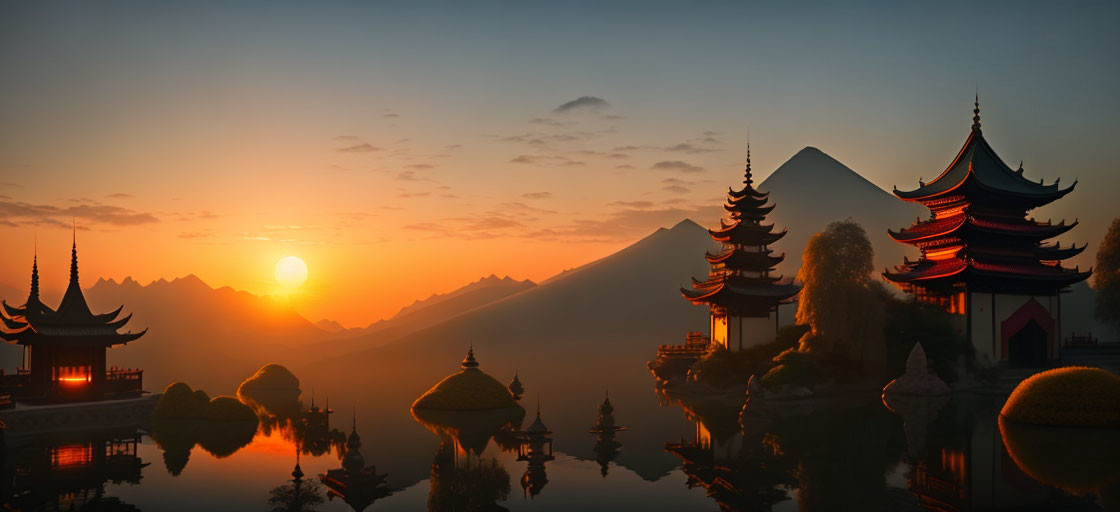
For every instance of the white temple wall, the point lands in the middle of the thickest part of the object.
(738, 333)
(987, 335)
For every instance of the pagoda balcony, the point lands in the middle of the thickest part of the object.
(124, 381)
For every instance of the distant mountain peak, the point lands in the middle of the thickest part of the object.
(812, 167)
(687, 224)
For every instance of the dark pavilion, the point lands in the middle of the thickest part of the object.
(984, 260)
(740, 291)
(64, 349)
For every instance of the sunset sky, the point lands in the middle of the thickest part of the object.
(406, 148)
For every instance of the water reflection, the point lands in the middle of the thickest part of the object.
(914, 453)
(606, 447)
(296, 495)
(741, 470)
(532, 450)
(1080, 461)
(69, 470)
(355, 483)
(461, 478)
(178, 437)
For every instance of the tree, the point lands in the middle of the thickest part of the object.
(1107, 277)
(844, 314)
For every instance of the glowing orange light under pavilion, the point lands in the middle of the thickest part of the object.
(71, 455)
(73, 375)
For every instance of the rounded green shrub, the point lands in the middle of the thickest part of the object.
(1075, 396)
(179, 401)
(228, 408)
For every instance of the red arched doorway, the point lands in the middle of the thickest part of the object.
(1028, 336)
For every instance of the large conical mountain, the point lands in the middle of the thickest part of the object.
(812, 189)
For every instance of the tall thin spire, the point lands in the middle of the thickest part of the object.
(74, 254)
(747, 180)
(976, 113)
(34, 295)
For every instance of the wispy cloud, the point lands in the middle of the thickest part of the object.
(548, 121)
(546, 160)
(677, 165)
(583, 103)
(120, 195)
(537, 195)
(412, 176)
(364, 147)
(691, 149)
(27, 213)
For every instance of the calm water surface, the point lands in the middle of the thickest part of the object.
(677, 454)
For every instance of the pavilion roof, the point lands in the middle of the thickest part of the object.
(941, 227)
(978, 163)
(71, 324)
(926, 270)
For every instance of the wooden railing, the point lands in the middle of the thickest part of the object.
(124, 380)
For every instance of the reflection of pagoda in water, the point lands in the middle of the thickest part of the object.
(355, 483)
(69, 471)
(739, 472)
(64, 349)
(606, 447)
(532, 450)
(296, 495)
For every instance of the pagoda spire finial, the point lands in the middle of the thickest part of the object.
(74, 254)
(747, 180)
(976, 113)
(34, 294)
(469, 361)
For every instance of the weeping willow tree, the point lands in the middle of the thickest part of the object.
(844, 314)
(1107, 278)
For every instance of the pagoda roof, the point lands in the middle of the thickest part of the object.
(941, 227)
(925, 270)
(737, 257)
(747, 191)
(708, 290)
(978, 163)
(71, 324)
(736, 229)
(1057, 252)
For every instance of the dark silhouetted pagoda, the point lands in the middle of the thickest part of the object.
(985, 260)
(532, 450)
(606, 447)
(355, 483)
(64, 349)
(740, 291)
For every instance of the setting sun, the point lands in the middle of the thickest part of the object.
(291, 272)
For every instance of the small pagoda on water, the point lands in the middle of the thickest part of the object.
(64, 349)
(740, 290)
(984, 260)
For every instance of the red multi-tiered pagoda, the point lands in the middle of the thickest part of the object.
(740, 291)
(64, 349)
(985, 260)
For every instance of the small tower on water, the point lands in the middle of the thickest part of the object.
(742, 294)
